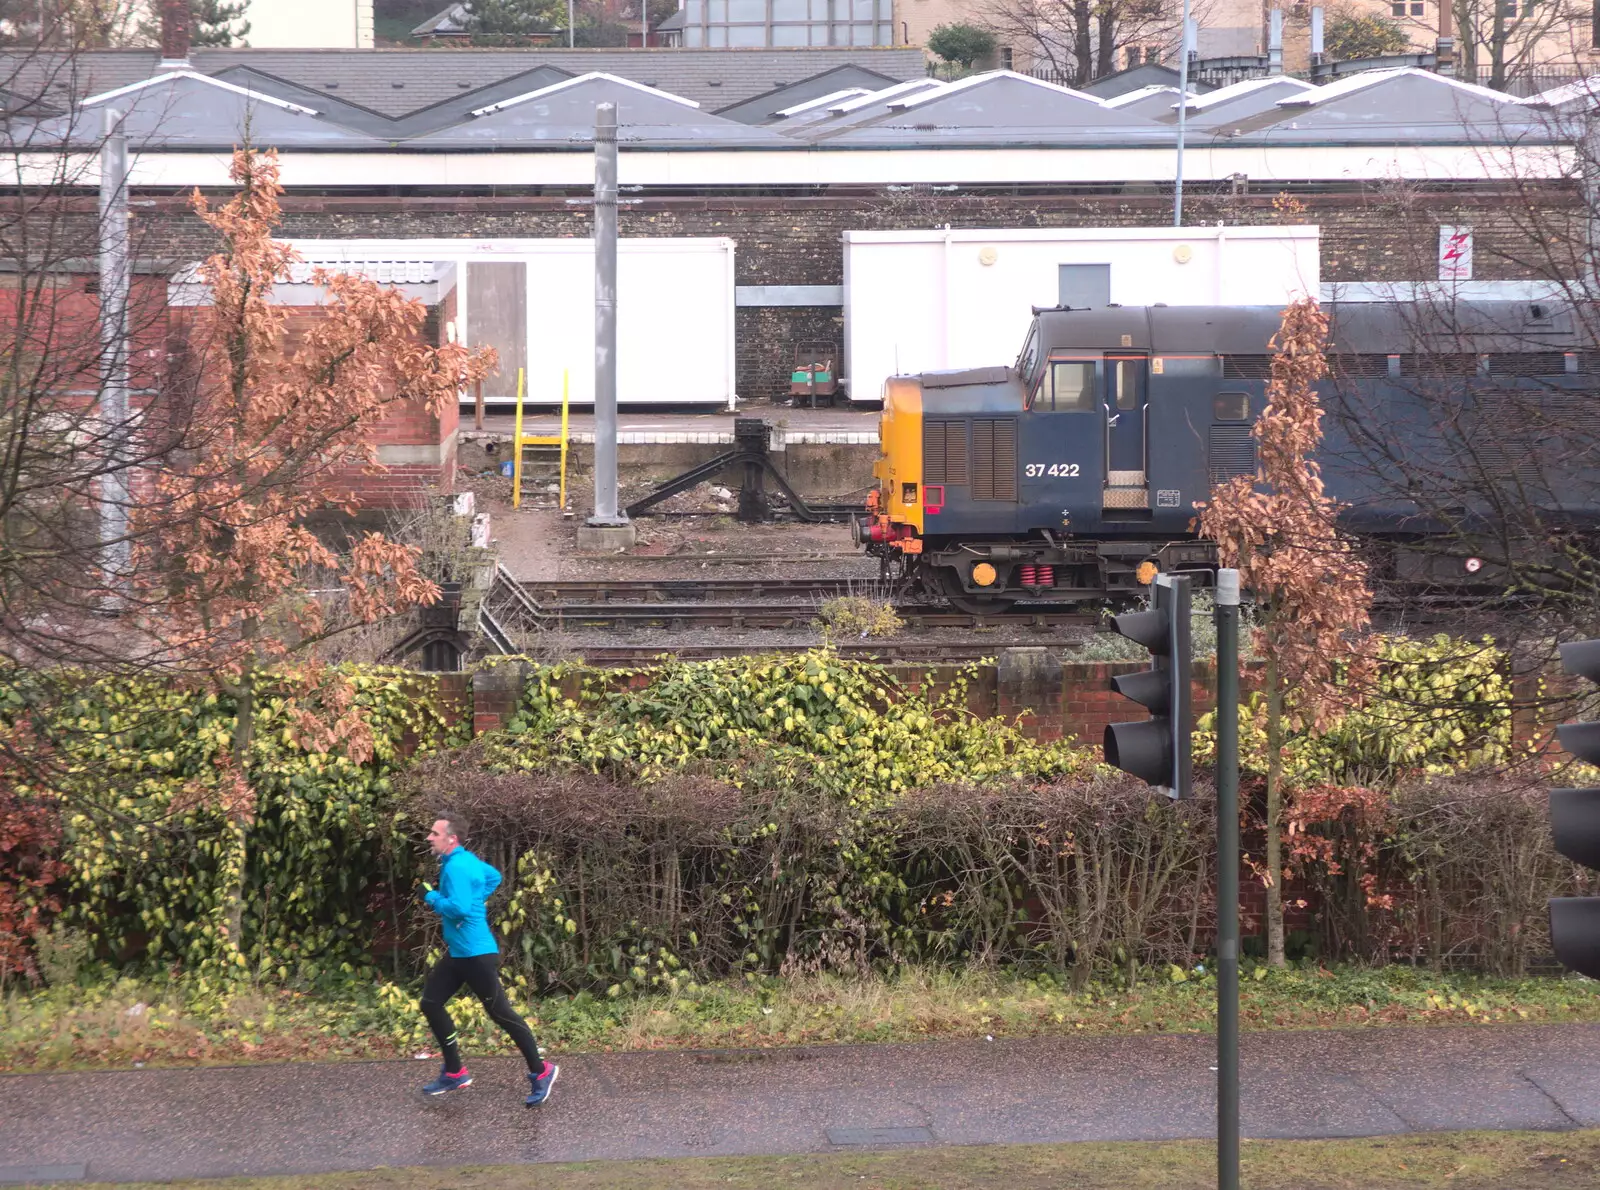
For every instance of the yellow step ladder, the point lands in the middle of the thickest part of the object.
(519, 441)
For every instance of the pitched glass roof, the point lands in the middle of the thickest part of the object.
(548, 108)
(564, 113)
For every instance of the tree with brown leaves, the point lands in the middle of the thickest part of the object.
(230, 582)
(1280, 529)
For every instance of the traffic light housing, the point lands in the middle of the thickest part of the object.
(1157, 750)
(1575, 823)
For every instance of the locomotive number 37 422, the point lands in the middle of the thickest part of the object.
(1061, 470)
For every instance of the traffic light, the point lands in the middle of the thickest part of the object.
(1157, 749)
(1575, 823)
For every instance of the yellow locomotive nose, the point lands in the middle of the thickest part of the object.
(899, 466)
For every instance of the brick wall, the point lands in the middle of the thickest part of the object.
(1376, 232)
(416, 449)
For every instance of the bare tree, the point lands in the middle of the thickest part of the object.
(1473, 442)
(1081, 40)
(1510, 37)
(63, 460)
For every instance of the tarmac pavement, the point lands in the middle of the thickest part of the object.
(308, 1118)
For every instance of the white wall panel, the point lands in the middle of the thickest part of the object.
(925, 300)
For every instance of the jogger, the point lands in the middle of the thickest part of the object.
(465, 884)
(481, 974)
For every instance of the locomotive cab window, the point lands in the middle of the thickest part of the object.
(1030, 354)
(1231, 407)
(1072, 386)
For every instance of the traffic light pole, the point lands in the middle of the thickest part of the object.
(1227, 605)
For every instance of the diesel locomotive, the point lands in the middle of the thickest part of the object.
(1077, 471)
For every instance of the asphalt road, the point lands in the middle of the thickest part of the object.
(308, 1118)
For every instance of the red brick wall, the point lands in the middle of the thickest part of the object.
(1079, 705)
(427, 445)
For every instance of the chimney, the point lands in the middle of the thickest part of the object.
(1444, 56)
(175, 34)
(1275, 42)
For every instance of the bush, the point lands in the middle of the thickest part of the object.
(759, 817)
(30, 877)
(1353, 35)
(858, 616)
(146, 843)
(961, 44)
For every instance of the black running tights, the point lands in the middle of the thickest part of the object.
(481, 973)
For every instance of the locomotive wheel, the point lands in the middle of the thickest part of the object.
(966, 601)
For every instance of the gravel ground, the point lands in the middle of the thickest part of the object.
(537, 542)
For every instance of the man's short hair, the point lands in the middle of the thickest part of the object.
(455, 823)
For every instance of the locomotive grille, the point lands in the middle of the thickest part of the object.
(944, 452)
(1247, 367)
(1359, 367)
(994, 458)
(1505, 438)
(1233, 452)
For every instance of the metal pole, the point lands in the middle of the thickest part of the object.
(1183, 114)
(1227, 880)
(114, 412)
(605, 317)
(1589, 176)
(571, 35)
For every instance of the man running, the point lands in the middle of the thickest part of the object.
(465, 883)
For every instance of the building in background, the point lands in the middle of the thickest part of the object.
(915, 19)
(755, 24)
(310, 24)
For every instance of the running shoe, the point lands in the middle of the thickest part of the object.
(448, 1082)
(541, 1083)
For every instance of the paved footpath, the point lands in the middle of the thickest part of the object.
(306, 1118)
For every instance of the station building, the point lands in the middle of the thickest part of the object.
(785, 153)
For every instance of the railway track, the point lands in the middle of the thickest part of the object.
(925, 652)
(636, 591)
(512, 609)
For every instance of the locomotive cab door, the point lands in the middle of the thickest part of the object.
(1125, 407)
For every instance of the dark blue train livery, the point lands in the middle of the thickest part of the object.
(1077, 471)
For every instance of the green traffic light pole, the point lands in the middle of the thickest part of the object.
(1227, 610)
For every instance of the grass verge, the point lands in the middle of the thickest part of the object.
(126, 1023)
(1460, 1160)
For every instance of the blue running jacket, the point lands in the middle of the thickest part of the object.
(465, 883)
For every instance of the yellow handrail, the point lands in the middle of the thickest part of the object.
(565, 376)
(562, 440)
(516, 448)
